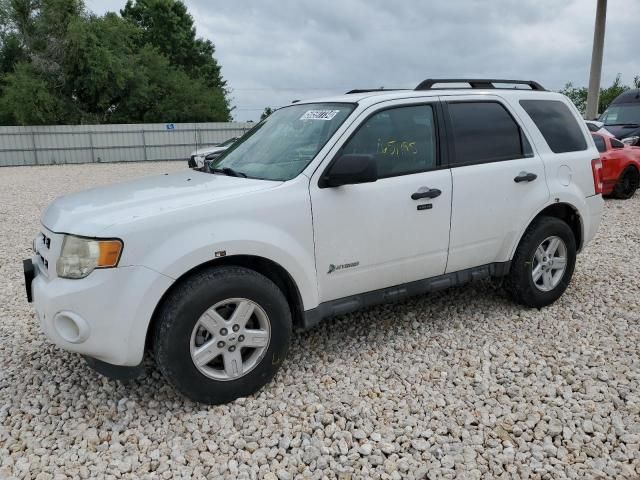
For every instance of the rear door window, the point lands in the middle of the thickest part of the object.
(557, 125)
(485, 132)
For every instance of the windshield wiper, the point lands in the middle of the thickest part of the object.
(228, 171)
(622, 124)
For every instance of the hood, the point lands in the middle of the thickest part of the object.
(91, 211)
(208, 150)
(621, 131)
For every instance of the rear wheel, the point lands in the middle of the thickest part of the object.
(543, 264)
(222, 334)
(628, 183)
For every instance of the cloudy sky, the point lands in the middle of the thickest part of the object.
(275, 51)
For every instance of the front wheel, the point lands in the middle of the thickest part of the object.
(627, 184)
(543, 264)
(222, 334)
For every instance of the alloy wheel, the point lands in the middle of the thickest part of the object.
(230, 339)
(549, 263)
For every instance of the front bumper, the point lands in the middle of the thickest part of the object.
(104, 316)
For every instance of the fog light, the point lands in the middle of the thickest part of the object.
(71, 327)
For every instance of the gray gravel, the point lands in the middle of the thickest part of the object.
(457, 384)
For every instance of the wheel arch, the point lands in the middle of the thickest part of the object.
(631, 165)
(565, 212)
(620, 189)
(270, 269)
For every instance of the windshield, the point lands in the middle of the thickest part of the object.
(621, 114)
(283, 144)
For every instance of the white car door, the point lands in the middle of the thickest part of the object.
(498, 180)
(374, 235)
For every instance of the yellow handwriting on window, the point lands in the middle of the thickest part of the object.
(396, 148)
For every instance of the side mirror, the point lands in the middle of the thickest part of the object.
(350, 169)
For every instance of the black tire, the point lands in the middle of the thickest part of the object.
(182, 309)
(627, 183)
(519, 283)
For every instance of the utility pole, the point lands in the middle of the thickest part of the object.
(596, 61)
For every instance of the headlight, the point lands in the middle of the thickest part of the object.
(81, 256)
(631, 140)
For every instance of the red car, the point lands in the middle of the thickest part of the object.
(620, 166)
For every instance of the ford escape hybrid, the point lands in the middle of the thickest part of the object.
(324, 207)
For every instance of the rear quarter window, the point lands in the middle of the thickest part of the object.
(557, 125)
(616, 143)
(600, 145)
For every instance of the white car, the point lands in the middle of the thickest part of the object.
(598, 127)
(199, 156)
(326, 207)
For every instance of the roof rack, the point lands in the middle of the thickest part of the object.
(367, 90)
(478, 83)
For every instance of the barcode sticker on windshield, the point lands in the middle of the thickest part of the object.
(319, 114)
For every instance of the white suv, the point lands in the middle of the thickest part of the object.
(325, 207)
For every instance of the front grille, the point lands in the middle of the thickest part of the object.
(192, 162)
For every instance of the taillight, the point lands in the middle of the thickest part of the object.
(596, 167)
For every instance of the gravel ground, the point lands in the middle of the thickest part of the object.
(457, 384)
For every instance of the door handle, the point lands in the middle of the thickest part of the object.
(426, 192)
(525, 177)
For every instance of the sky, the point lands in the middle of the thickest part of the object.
(275, 51)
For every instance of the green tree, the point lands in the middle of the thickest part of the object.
(162, 93)
(11, 52)
(609, 94)
(59, 64)
(578, 95)
(267, 111)
(15, 26)
(101, 67)
(167, 25)
(28, 100)
(34, 30)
